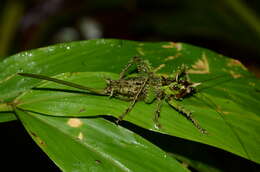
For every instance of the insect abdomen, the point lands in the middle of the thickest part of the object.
(128, 88)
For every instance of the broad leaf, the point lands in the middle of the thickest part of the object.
(219, 109)
(93, 55)
(94, 145)
(235, 131)
(7, 116)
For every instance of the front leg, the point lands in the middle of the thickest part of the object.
(126, 68)
(181, 72)
(176, 105)
(143, 66)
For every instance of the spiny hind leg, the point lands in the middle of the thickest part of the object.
(174, 103)
(131, 106)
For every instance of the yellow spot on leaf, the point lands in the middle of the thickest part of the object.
(80, 136)
(6, 106)
(74, 122)
(172, 57)
(237, 63)
(226, 112)
(178, 46)
(140, 51)
(159, 67)
(16, 101)
(220, 110)
(41, 142)
(235, 75)
(201, 66)
(251, 84)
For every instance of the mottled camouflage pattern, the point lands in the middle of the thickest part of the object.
(147, 86)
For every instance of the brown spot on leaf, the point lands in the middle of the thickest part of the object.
(41, 142)
(178, 46)
(82, 110)
(15, 102)
(33, 134)
(172, 57)
(38, 139)
(201, 66)
(74, 122)
(98, 161)
(236, 63)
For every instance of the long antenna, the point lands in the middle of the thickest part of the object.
(70, 84)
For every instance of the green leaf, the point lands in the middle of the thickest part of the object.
(7, 116)
(6, 113)
(236, 131)
(94, 145)
(68, 57)
(90, 55)
(97, 55)
(228, 111)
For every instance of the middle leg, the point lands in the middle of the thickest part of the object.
(158, 112)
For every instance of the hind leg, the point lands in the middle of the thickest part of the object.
(176, 105)
(131, 106)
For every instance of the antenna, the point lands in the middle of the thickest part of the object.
(70, 84)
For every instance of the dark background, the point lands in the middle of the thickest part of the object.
(230, 27)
